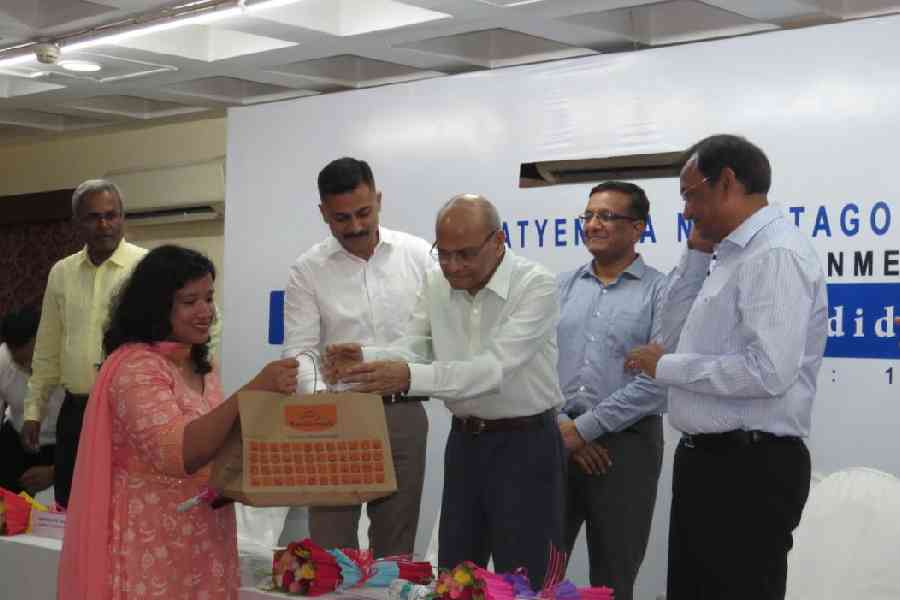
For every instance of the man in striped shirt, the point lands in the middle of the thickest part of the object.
(742, 378)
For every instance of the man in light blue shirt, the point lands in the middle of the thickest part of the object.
(742, 379)
(611, 420)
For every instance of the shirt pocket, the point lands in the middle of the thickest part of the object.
(631, 327)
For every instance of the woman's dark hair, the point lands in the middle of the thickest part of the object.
(20, 326)
(142, 309)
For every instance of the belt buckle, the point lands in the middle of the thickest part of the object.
(474, 425)
(688, 441)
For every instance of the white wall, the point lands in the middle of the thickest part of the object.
(823, 103)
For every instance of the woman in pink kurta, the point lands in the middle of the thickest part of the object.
(153, 549)
(155, 419)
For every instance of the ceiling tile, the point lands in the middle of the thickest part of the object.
(774, 12)
(233, 90)
(671, 22)
(133, 107)
(848, 9)
(506, 3)
(208, 43)
(48, 121)
(348, 17)
(114, 68)
(493, 48)
(354, 71)
(10, 87)
(42, 14)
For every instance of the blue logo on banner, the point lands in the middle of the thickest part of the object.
(861, 320)
(276, 317)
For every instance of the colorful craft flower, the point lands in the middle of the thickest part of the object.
(304, 568)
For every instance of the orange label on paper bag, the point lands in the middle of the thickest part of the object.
(311, 418)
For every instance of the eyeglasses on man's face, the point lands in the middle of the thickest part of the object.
(92, 218)
(463, 255)
(604, 216)
(686, 192)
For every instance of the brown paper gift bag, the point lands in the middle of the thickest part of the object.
(329, 449)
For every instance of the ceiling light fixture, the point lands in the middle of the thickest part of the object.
(266, 4)
(190, 13)
(79, 66)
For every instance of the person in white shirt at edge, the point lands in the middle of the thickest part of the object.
(22, 469)
(482, 339)
(742, 379)
(361, 284)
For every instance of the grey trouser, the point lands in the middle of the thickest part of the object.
(617, 507)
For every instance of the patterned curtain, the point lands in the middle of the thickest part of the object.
(27, 251)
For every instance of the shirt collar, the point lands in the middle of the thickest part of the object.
(753, 225)
(117, 258)
(636, 269)
(499, 282)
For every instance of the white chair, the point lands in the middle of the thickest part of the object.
(258, 530)
(846, 545)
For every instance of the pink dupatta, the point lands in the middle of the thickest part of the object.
(84, 562)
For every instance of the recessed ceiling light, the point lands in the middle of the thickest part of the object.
(80, 66)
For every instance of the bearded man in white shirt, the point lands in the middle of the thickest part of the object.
(742, 379)
(482, 339)
(361, 284)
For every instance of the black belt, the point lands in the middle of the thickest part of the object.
(474, 425)
(738, 438)
(396, 398)
(79, 399)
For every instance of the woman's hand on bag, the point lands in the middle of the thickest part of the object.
(278, 376)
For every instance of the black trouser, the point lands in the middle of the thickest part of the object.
(68, 430)
(734, 507)
(15, 460)
(618, 506)
(503, 498)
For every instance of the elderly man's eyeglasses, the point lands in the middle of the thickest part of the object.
(464, 255)
(685, 193)
(94, 218)
(604, 216)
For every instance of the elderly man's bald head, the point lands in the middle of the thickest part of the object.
(469, 210)
(470, 241)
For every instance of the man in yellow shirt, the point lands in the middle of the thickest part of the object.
(76, 305)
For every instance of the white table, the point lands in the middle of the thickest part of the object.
(28, 566)
(249, 593)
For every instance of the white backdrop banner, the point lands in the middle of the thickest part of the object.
(824, 103)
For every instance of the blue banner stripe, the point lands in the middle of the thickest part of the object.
(276, 317)
(860, 321)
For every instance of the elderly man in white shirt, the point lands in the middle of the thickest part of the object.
(742, 379)
(361, 283)
(21, 468)
(483, 339)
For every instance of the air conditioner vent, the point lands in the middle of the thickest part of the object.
(626, 167)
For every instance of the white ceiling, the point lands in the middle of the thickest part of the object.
(269, 51)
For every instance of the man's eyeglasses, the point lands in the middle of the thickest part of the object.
(94, 218)
(686, 191)
(463, 255)
(605, 216)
